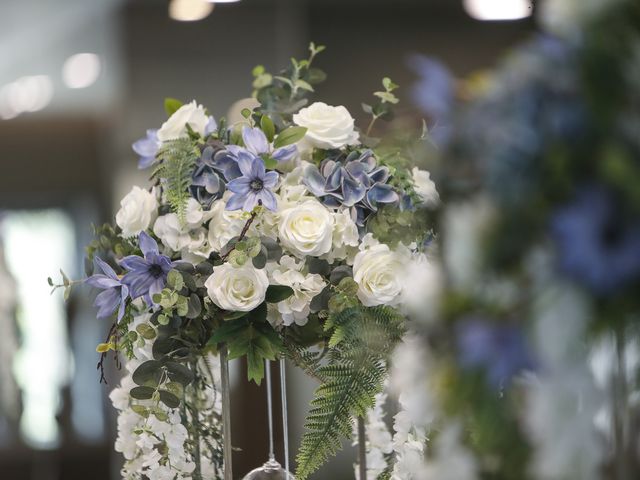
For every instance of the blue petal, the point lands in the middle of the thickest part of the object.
(381, 193)
(124, 293)
(255, 140)
(211, 126)
(148, 146)
(102, 281)
(146, 162)
(352, 191)
(107, 302)
(284, 154)
(138, 283)
(245, 162)
(105, 267)
(257, 168)
(235, 202)
(226, 162)
(380, 175)
(314, 180)
(268, 199)
(240, 185)
(251, 200)
(134, 263)
(270, 179)
(334, 179)
(147, 244)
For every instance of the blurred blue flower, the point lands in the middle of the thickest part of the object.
(146, 276)
(147, 148)
(596, 245)
(208, 179)
(434, 94)
(115, 292)
(500, 350)
(356, 182)
(254, 186)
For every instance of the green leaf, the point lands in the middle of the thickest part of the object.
(278, 293)
(255, 366)
(229, 329)
(182, 306)
(268, 127)
(179, 373)
(171, 105)
(246, 112)
(142, 393)
(387, 97)
(169, 399)
(148, 373)
(270, 163)
(304, 85)
(195, 306)
(257, 70)
(103, 347)
(260, 260)
(289, 136)
(388, 84)
(175, 280)
(174, 387)
(367, 109)
(140, 410)
(146, 331)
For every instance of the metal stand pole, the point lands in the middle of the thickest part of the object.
(285, 422)
(362, 449)
(226, 413)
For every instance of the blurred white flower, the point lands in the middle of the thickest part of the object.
(175, 127)
(138, 210)
(425, 187)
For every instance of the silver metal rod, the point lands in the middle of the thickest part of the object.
(362, 449)
(267, 368)
(226, 413)
(285, 422)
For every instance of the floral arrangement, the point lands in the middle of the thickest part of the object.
(527, 363)
(287, 234)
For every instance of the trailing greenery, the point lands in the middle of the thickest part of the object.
(178, 158)
(361, 341)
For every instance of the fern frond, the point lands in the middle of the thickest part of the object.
(177, 161)
(354, 375)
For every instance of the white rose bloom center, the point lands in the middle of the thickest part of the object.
(306, 229)
(237, 289)
(327, 126)
(379, 272)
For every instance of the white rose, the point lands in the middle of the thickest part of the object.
(175, 126)
(327, 126)
(425, 187)
(138, 209)
(379, 273)
(306, 229)
(237, 289)
(296, 308)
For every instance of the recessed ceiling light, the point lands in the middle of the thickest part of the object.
(499, 9)
(81, 70)
(190, 10)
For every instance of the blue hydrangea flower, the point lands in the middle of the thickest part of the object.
(356, 182)
(255, 141)
(114, 293)
(597, 246)
(212, 168)
(147, 148)
(500, 350)
(254, 186)
(146, 275)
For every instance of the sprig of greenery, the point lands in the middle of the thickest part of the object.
(363, 338)
(382, 107)
(177, 162)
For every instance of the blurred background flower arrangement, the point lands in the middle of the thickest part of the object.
(528, 361)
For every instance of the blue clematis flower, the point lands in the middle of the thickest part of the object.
(500, 350)
(255, 141)
(253, 187)
(115, 292)
(596, 245)
(147, 148)
(146, 276)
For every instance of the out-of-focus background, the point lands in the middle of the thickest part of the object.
(79, 82)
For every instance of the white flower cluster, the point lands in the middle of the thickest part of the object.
(155, 448)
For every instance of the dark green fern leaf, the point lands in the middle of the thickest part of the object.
(354, 375)
(177, 161)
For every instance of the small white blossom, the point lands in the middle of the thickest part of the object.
(138, 210)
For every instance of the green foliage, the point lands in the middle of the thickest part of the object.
(278, 293)
(171, 105)
(178, 158)
(251, 336)
(354, 375)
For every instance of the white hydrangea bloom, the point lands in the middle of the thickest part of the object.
(345, 237)
(188, 237)
(294, 309)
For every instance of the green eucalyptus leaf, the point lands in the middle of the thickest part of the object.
(146, 331)
(140, 410)
(289, 136)
(142, 392)
(175, 280)
(195, 306)
(148, 373)
(179, 373)
(169, 399)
